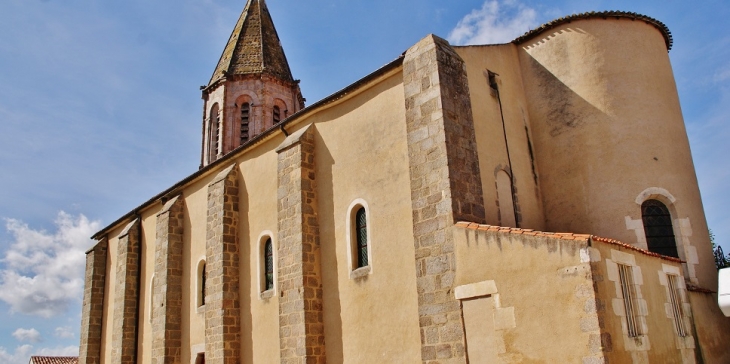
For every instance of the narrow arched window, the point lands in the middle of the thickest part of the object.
(277, 114)
(361, 233)
(245, 115)
(658, 228)
(268, 265)
(214, 133)
(201, 283)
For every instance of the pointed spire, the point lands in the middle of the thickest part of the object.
(254, 47)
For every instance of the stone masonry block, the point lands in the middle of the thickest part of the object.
(445, 185)
(92, 306)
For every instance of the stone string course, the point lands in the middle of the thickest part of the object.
(445, 187)
(167, 304)
(92, 309)
(222, 304)
(126, 296)
(301, 326)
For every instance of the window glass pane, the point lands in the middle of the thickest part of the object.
(362, 237)
(269, 264)
(658, 228)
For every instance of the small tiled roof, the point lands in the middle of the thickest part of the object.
(54, 360)
(600, 14)
(254, 47)
(564, 236)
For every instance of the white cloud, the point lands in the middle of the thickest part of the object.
(44, 272)
(64, 332)
(22, 354)
(496, 22)
(722, 74)
(31, 335)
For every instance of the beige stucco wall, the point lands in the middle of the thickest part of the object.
(109, 293)
(660, 342)
(504, 61)
(544, 281)
(361, 153)
(607, 125)
(712, 327)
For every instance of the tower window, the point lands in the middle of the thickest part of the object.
(658, 228)
(361, 233)
(245, 114)
(214, 138)
(277, 114)
(268, 265)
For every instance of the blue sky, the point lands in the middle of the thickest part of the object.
(100, 109)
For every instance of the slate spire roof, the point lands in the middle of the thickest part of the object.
(254, 47)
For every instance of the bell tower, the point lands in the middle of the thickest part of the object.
(252, 88)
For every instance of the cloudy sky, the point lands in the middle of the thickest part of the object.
(100, 110)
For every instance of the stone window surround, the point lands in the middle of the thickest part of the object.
(682, 229)
(351, 240)
(639, 345)
(195, 350)
(149, 298)
(687, 341)
(211, 153)
(199, 309)
(265, 294)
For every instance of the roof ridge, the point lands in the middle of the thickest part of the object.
(668, 39)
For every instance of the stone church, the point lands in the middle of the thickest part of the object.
(527, 202)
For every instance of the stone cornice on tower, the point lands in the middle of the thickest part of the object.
(253, 48)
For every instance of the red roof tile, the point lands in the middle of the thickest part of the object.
(54, 360)
(564, 236)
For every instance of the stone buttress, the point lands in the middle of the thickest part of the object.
(92, 309)
(222, 303)
(301, 326)
(445, 187)
(126, 296)
(167, 301)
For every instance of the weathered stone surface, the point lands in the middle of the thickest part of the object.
(445, 186)
(301, 326)
(126, 296)
(92, 309)
(222, 304)
(167, 302)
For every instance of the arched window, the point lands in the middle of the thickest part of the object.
(658, 228)
(202, 276)
(214, 136)
(245, 114)
(361, 234)
(277, 114)
(268, 265)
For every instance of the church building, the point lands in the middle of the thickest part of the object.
(527, 202)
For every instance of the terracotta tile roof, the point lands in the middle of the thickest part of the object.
(600, 14)
(54, 360)
(254, 47)
(694, 288)
(564, 236)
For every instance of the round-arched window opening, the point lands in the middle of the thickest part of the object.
(658, 228)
